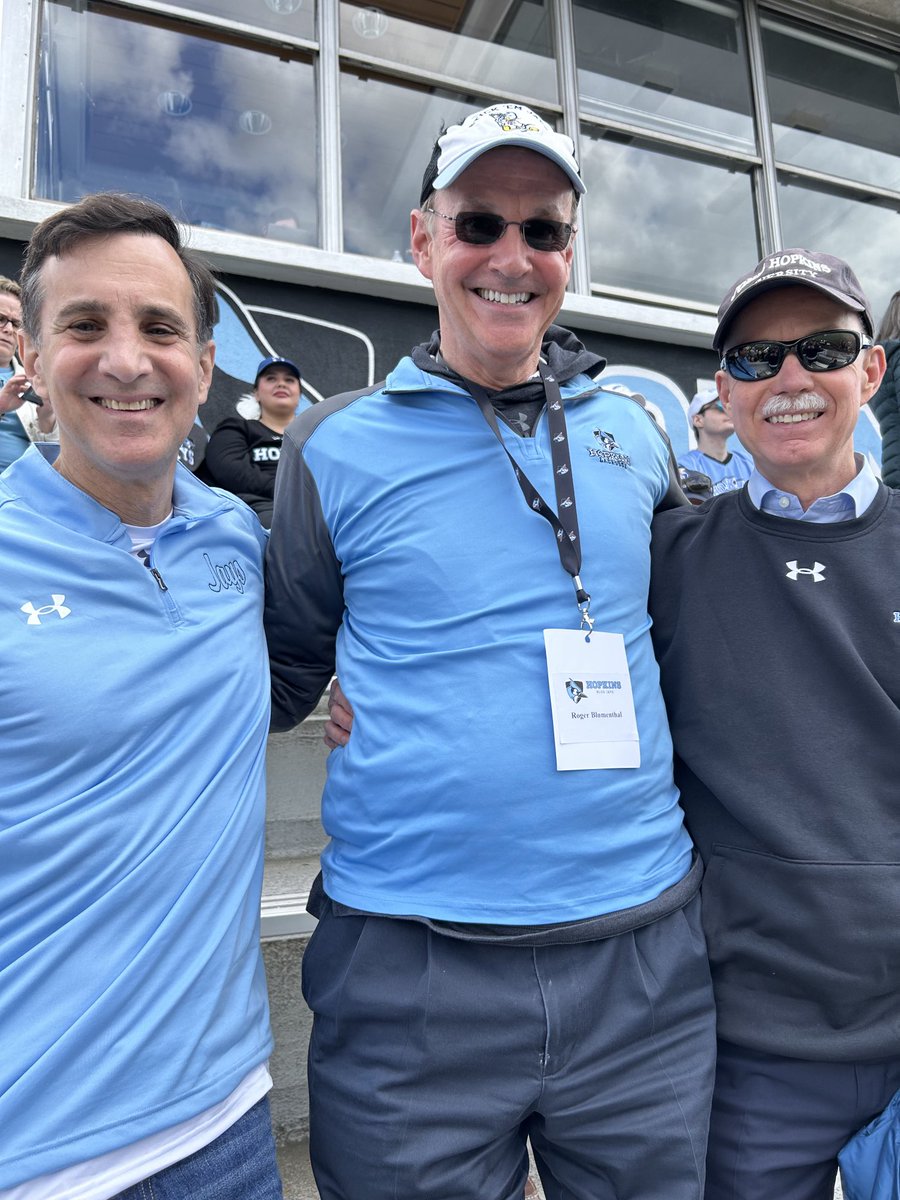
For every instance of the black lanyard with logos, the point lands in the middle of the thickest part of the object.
(565, 521)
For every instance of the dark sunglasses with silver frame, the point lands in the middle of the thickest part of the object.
(828, 350)
(483, 229)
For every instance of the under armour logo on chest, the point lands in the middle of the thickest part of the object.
(35, 614)
(817, 571)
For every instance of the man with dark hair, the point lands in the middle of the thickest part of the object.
(134, 1027)
(508, 944)
(775, 624)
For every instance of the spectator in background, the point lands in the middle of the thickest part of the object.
(242, 455)
(727, 469)
(22, 421)
(885, 404)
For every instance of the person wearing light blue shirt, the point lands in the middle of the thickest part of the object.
(134, 710)
(726, 469)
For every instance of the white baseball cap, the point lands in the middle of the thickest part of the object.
(499, 125)
(700, 401)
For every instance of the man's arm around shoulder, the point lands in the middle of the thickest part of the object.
(304, 588)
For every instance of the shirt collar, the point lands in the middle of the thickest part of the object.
(851, 501)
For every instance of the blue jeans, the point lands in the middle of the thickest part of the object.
(238, 1165)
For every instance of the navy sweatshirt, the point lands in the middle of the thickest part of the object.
(779, 647)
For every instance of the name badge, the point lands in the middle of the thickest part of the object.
(594, 726)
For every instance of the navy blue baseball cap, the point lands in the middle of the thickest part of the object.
(275, 361)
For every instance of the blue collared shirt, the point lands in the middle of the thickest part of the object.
(851, 501)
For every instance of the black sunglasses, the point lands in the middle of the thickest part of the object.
(826, 351)
(483, 229)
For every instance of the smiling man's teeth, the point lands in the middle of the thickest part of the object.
(504, 297)
(792, 418)
(127, 405)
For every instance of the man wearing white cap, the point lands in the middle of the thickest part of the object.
(727, 469)
(776, 625)
(508, 943)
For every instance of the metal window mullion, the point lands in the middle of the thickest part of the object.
(765, 179)
(567, 80)
(328, 112)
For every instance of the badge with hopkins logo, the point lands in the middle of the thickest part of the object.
(591, 702)
(608, 450)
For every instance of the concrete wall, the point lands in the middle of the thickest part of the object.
(294, 839)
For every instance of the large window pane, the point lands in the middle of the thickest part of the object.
(673, 66)
(294, 17)
(662, 223)
(864, 235)
(505, 44)
(220, 134)
(835, 108)
(388, 132)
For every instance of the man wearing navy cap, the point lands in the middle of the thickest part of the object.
(243, 453)
(508, 944)
(785, 713)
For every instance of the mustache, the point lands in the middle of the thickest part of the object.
(787, 402)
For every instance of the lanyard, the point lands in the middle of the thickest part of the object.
(565, 521)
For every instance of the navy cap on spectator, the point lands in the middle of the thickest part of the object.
(275, 361)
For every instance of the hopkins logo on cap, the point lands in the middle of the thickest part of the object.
(782, 265)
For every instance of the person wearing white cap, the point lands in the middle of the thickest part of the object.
(508, 945)
(727, 469)
(776, 626)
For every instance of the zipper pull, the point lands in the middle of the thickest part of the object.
(159, 579)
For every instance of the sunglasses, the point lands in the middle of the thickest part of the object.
(826, 351)
(716, 404)
(483, 229)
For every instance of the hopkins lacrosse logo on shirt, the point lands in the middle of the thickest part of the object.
(608, 450)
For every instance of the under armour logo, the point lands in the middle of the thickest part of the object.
(35, 614)
(897, 618)
(817, 570)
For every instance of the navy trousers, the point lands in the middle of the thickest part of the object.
(778, 1123)
(432, 1060)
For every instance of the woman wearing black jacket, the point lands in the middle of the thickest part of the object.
(242, 455)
